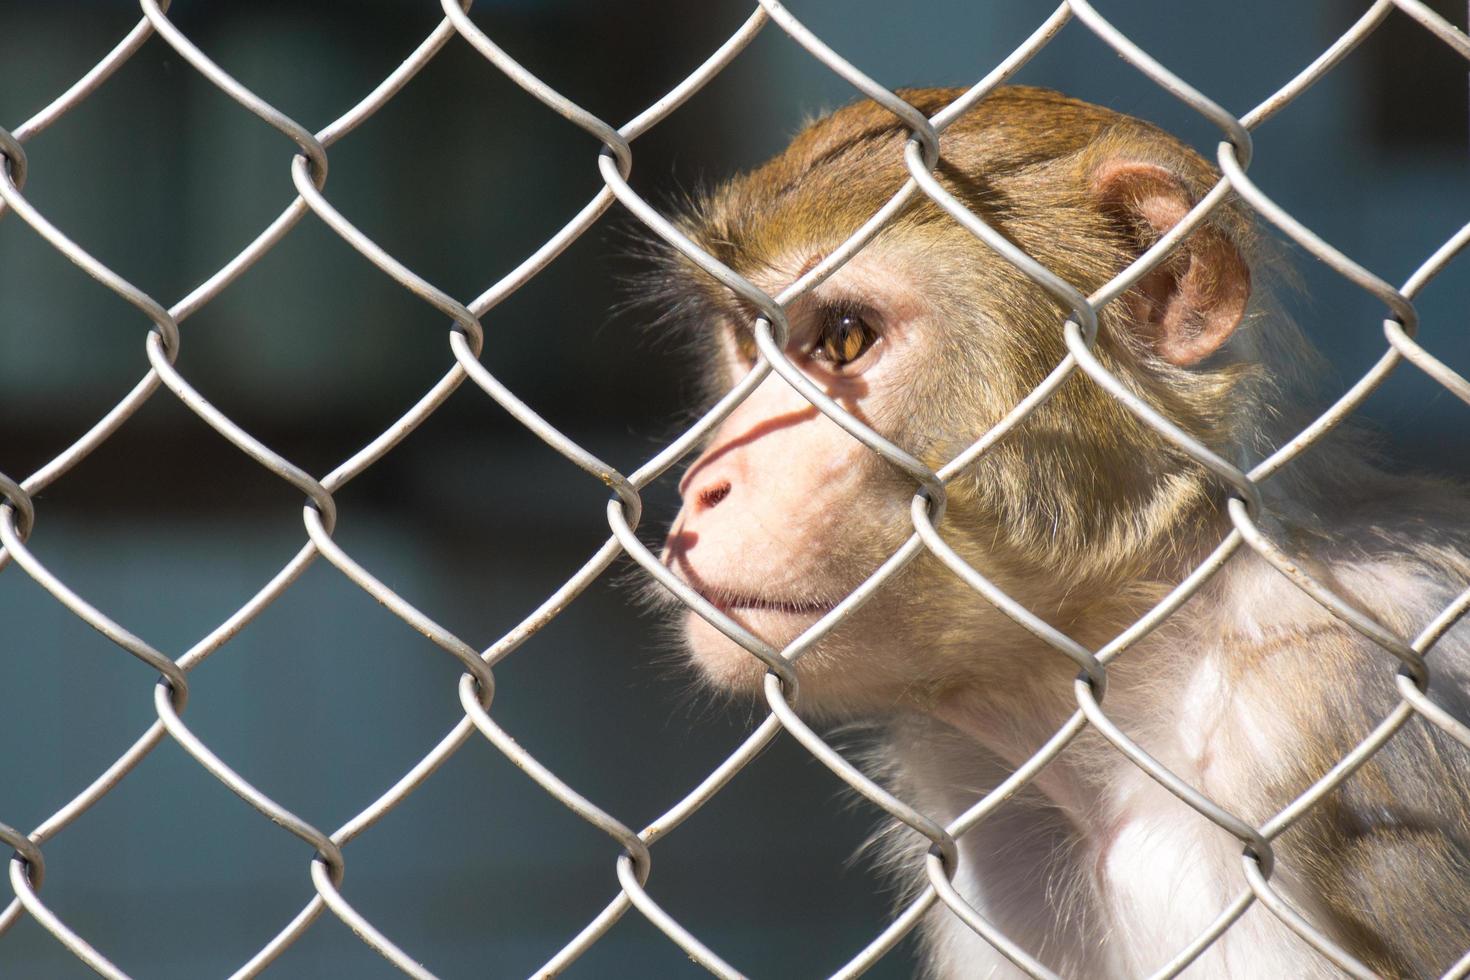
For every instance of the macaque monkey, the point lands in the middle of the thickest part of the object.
(1250, 692)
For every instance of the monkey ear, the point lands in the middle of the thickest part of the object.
(1189, 304)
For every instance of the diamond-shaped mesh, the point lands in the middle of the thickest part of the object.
(308, 170)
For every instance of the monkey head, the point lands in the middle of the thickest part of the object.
(930, 338)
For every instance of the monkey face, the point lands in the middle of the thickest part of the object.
(784, 514)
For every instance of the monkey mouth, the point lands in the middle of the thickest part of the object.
(727, 602)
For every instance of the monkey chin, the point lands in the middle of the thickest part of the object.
(730, 668)
(834, 684)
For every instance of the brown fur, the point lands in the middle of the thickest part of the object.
(1089, 517)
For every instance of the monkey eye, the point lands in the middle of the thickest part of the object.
(846, 336)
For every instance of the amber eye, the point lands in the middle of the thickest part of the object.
(845, 338)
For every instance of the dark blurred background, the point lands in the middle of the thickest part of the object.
(326, 698)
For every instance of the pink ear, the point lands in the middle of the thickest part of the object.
(1190, 304)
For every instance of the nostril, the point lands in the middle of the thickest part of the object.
(711, 496)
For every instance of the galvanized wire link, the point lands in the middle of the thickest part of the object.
(303, 180)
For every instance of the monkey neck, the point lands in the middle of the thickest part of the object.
(1012, 719)
(1014, 710)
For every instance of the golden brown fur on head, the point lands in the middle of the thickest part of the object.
(1093, 488)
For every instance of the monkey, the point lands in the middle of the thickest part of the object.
(1250, 691)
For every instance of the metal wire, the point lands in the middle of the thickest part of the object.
(305, 165)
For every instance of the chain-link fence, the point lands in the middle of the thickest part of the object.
(629, 874)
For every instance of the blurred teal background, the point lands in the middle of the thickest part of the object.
(326, 699)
